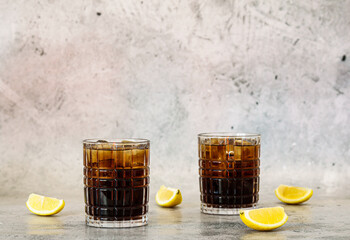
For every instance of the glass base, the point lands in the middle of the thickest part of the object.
(209, 209)
(90, 221)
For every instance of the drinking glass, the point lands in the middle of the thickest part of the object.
(229, 169)
(116, 182)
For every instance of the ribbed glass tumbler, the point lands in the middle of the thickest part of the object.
(116, 182)
(229, 169)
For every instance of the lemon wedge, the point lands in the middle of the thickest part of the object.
(168, 197)
(293, 195)
(44, 206)
(264, 219)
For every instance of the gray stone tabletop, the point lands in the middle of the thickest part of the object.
(322, 217)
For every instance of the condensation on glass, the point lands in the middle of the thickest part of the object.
(116, 182)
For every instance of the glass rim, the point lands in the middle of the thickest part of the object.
(228, 134)
(118, 141)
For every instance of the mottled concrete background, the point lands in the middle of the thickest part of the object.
(167, 70)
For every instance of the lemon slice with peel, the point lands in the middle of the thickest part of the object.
(44, 206)
(168, 197)
(293, 195)
(264, 219)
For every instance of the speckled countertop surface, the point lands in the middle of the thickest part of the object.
(322, 217)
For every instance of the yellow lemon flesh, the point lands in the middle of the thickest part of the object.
(264, 219)
(44, 206)
(168, 197)
(293, 195)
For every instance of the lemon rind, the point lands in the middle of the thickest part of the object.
(173, 201)
(263, 226)
(59, 207)
(306, 197)
(175, 191)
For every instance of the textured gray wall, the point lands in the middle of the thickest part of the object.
(167, 70)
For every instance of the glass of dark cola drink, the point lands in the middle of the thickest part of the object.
(229, 169)
(116, 182)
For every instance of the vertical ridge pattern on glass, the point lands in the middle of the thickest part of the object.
(229, 169)
(116, 181)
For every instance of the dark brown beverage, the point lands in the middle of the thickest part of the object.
(116, 183)
(229, 173)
